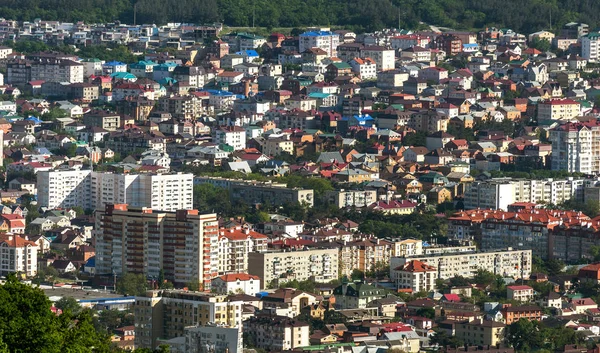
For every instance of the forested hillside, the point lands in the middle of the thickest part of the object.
(521, 15)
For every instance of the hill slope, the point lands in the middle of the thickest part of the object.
(520, 15)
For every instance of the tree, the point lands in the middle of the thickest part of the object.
(79, 211)
(524, 335)
(426, 312)
(28, 324)
(542, 45)
(132, 284)
(357, 275)
(442, 339)
(484, 277)
(68, 304)
(193, 285)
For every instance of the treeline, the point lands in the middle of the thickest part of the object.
(354, 14)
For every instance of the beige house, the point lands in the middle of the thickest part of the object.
(519, 293)
(480, 332)
(415, 275)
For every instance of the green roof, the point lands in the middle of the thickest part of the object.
(398, 106)
(342, 65)
(320, 347)
(593, 35)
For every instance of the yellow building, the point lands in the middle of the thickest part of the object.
(480, 332)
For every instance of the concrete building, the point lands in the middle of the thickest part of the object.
(480, 332)
(574, 147)
(278, 333)
(18, 254)
(166, 315)
(351, 198)
(325, 40)
(234, 246)
(140, 240)
(233, 136)
(415, 275)
(253, 192)
(383, 57)
(558, 109)
(102, 119)
(507, 263)
(91, 190)
(590, 46)
(320, 265)
(206, 339)
(519, 293)
(236, 283)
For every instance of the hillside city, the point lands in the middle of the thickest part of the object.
(186, 188)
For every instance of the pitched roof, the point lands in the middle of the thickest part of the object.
(234, 277)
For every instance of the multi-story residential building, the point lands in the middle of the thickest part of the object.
(575, 147)
(351, 198)
(325, 40)
(499, 193)
(559, 109)
(507, 263)
(485, 333)
(384, 58)
(194, 75)
(56, 70)
(408, 247)
(320, 265)
(184, 244)
(519, 293)
(254, 192)
(515, 313)
(91, 190)
(103, 119)
(590, 46)
(233, 136)
(428, 121)
(364, 255)
(205, 339)
(236, 283)
(234, 246)
(415, 275)
(356, 295)
(184, 107)
(527, 229)
(166, 314)
(365, 68)
(17, 255)
(279, 333)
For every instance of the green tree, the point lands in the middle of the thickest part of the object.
(542, 45)
(132, 284)
(357, 275)
(442, 339)
(426, 312)
(525, 335)
(68, 304)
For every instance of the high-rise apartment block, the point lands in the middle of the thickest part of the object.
(184, 244)
(91, 190)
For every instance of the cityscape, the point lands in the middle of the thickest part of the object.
(203, 188)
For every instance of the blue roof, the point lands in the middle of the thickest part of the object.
(365, 117)
(91, 262)
(318, 95)
(34, 119)
(248, 53)
(123, 75)
(216, 92)
(470, 45)
(317, 34)
(114, 63)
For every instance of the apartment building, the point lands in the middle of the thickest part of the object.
(364, 255)
(515, 313)
(234, 246)
(429, 121)
(351, 198)
(408, 247)
(253, 192)
(320, 265)
(184, 244)
(278, 333)
(184, 107)
(590, 46)
(233, 136)
(499, 193)
(19, 72)
(166, 314)
(204, 339)
(576, 147)
(91, 190)
(325, 40)
(17, 255)
(527, 229)
(383, 57)
(507, 263)
(559, 109)
(103, 119)
(480, 332)
(277, 146)
(416, 276)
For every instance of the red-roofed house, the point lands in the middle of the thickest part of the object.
(590, 273)
(236, 283)
(415, 275)
(451, 297)
(15, 223)
(580, 306)
(24, 253)
(519, 293)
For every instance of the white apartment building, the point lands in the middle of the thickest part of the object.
(320, 265)
(590, 46)
(91, 190)
(559, 109)
(384, 58)
(140, 240)
(408, 247)
(233, 136)
(365, 68)
(17, 255)
(576, 147)
(205, 339)
(415, 275)
(236, 283)
(234, 246)
(278, 333)
(326, 40)
(519, 293)
(51, 70)
(351, 198)
(497, 194)
(507, 263)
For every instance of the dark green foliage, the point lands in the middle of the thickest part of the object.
(132, 284)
